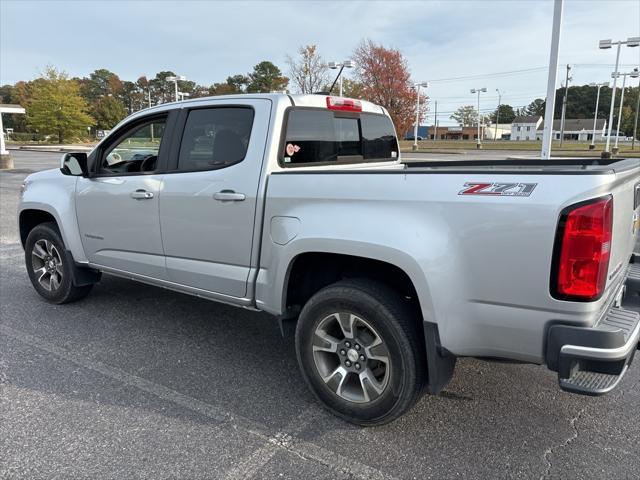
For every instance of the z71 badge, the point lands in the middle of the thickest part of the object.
(498, 189)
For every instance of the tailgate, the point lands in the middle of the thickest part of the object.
(626, 205)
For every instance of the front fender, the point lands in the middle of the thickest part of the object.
(54, 193)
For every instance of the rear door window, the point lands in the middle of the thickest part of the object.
(215, 138)
(317, 136)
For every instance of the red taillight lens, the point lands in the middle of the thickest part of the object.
(585, 248)
(344, 104)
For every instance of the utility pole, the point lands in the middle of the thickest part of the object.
(564, 104)
(435, 123)
(551, 80)
(495, 135)
(635, 122)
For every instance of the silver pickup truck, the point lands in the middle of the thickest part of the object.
(300, 206)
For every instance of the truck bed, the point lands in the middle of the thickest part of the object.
(560, 166)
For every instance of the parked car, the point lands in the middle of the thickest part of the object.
(299, 206)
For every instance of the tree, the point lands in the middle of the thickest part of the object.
(385, 80)
(466, 116)
(236, 83)
(161, 90)
(265, 78)
(354, 89)
(308, 71)
(536, 107)
(503, 114)
(107, 112)
(100, 83)
(55, 106)
(12, 94)
(130, 96)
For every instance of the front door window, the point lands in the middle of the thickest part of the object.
(137, 152)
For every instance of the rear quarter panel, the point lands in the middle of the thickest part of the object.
(480, 264)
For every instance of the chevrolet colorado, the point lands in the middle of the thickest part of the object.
(300, 206)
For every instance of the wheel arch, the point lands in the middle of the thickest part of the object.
(30, 218)
(309, 272)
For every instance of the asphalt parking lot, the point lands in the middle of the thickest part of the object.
(138, 382)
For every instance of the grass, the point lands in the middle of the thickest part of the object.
(568, 148)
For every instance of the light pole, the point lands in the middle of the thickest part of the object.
(605, 44)
(415, 128)
(341, 66)
(595, 114)
(175, 79)
(478, 91)
(633, 74)
(495, 135)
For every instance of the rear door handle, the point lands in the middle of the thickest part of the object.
(141, 195)
(229, 196)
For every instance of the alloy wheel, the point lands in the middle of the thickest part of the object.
(46, 263)
(351, 357)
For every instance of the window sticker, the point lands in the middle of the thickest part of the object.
(292, 149)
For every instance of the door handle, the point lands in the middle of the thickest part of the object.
(229, 196)
(141, 195)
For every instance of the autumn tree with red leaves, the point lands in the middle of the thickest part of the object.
(385, 79)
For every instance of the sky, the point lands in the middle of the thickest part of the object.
(455, 45)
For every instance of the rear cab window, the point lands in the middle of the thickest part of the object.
(315, 136)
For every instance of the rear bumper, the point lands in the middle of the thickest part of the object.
(592, 361)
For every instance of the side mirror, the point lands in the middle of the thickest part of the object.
(74, 163)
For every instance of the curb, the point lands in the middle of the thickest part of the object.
(51, 149)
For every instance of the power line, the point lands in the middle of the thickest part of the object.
(490, 75)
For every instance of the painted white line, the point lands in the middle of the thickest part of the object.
(251, 464)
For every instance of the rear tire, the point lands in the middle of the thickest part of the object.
(361, 351)
(49, 266)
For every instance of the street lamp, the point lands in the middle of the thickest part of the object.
(605, 44)
(595, 115)
(341, 66)
(415, 128)
(495, 135)
(175, 79)
(478, 91)
(633, 74)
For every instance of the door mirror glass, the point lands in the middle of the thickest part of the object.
(75, 164)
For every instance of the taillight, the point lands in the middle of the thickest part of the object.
(582, 251)
(344, 104)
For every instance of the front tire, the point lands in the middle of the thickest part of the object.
(50, 266)
(361, 351)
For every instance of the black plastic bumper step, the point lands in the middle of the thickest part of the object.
(590, 383)
(592, 361)
(620, 319)
(633, 277)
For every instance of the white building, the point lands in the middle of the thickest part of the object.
(524, 127)
(579, 129)
(502, 131)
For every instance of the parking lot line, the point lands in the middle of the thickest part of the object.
(283, 440)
